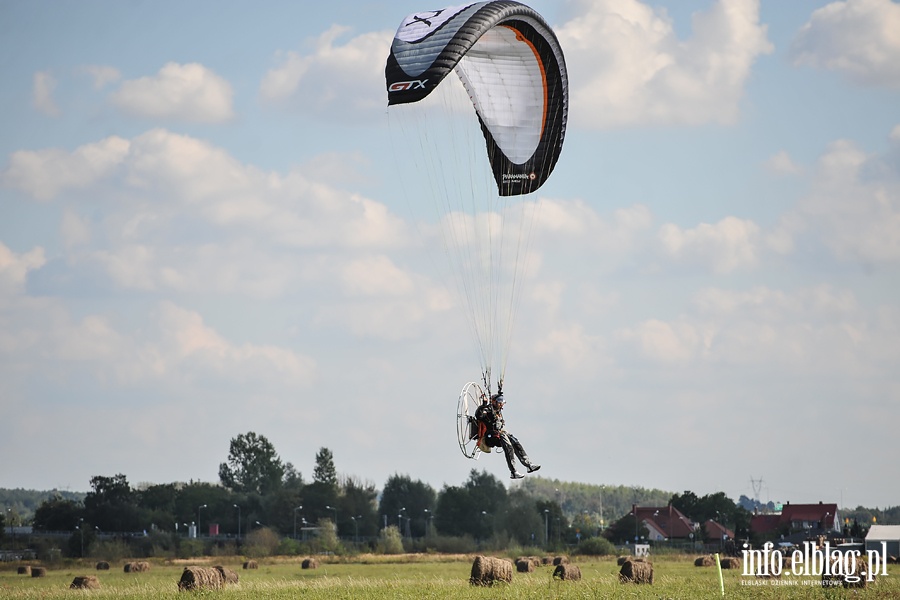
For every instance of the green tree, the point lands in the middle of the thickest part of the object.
(253, 465)
(390, 541)
(522, 520)
(472, 509)
(357, 503)
(111, 505)
(414, 500)
(324, 471)
(624, 530)
(57, 514)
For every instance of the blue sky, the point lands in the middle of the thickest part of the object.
(201, 235)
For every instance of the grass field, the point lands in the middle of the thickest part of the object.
(422, 576)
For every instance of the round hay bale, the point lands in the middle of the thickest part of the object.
(200, 578)
(228, 575)
(525, 565)
(139, 566)
(621, 560)
(486, 570)
(103, 566)
(561, 560)
(705, 561)
(85, 582)
(309, 563)
(852, 571)
(251, 564)
(38, 571)
(24, 570)
(633, 571)
(567, 572)
(546, 560)
(730, 562)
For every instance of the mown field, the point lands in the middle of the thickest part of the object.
(420, 576)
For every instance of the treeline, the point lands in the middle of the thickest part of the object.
(259, 492)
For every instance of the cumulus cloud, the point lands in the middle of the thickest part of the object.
(189, 92)
(810, 329)
(857, 38)
(782, 163)
(14, 269)
(102, 75)
(629, 67)
(819, 329)
(43, 86)
(189, 346)
(854, 204)
(188, 217)
(723, 247)
(338, 79)
(44, 174)
(179, 348)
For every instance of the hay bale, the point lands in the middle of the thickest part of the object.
(636, 571)
(103, 566)
(486, 570)
(309, 563)
(546, 560)
(861, 566)
(251, 564)
(525, 565)
(38, 571)
(25, 570)
(228, 575)
(85, 582)
(567, 572)
(201, 578)
(560, 560)
(705, 561)
(730, 562)
(139, 566)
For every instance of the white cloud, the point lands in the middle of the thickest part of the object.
(782, 163)
(341, 80)
(193, 349)
(102, 75)
(819, 329)
(189, 92)
(44, 174)
(627, 65)
(854, 204)
(375, 276)
(14, 269)
(858, 38)
(723, 247)
(178, 349)
(168, 188)
(43, 87)
(676, 343)
(75, 231)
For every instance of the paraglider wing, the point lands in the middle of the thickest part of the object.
(512, 66)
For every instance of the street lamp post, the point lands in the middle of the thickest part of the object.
(295, 520)
(239, 521)
(80, 528)
(356, 527)
(429, 516)
(198, 519)
(334, 508)
(546, 527)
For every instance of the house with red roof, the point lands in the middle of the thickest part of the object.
(664, 522)
(796, 518)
